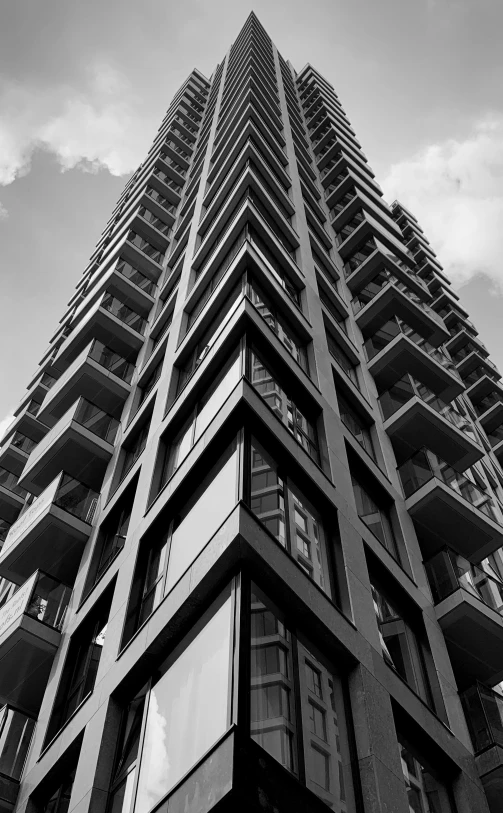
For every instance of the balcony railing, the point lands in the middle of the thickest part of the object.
(487, 402)
(136, 277)
(405, 389)
(448, 571)
(130, 317)
(21, 442)
(495, 436)
(484, 715)
(393, 328)
(424, 466)
(8, 480)
(161, 200)
(478, 373)
(16, 730)
(33, 408)
(154, 221)
(145, 247)
(96, 420)
(111, 361)
(381, 282)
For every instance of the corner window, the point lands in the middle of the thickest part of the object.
(297, 709)
(162, 563)
(288, 516)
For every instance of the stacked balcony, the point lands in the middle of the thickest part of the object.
(448, 508)
(415, 417)
(30, 631)
(51, 532)
(80, 443)
(469, 608)
(16, 730)
(484, 714)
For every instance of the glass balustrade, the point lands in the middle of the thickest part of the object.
(154, 221)
(484, 715)
(406, 388)
(161, 200)
(145, 247)
(495, 436)
(487, 402)
(48, 601)
(97, 421)
(47, 380)
(424, 466)
(21, 442)
(75, 498)
(393, 328)
(130, 317)
(448, 571)
(16, 730)
(8, 480)
(478, 373)
(378, 284)
(111, 361)
(33, 408)
(136, 277)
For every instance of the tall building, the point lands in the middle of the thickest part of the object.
(252, 502)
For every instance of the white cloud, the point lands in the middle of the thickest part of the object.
(4, 424)
(3, 213)
(455, 189)
(100, 126)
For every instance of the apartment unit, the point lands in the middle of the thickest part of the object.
(251, 506)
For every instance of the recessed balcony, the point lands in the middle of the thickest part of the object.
(415, 417)
(386, 296)
(51, 533)
(98, 374)
(397, 349)
(16, 730)
(30, 624)
(15, 452)
(484, 715)
(448, 508)
(112, 322)
(469, 609)
(81, 443)
(12, 496)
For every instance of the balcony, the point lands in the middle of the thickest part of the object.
(484, 715)
(81, 443)
(469, 609)
(480, 383)
(396, 349)
(387, 296)
(415, 417)
(97, 374)
(113, 323)
(30, 631)
(15, 452)
(489, 409)
(12, 496)
(373, 257)
(448, 508)
(16, 730)
(495, 437)
(51, 533)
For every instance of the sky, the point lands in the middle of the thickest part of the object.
(83, 87)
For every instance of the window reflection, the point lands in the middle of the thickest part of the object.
(192, 696)
(288, 516)
(425, 794)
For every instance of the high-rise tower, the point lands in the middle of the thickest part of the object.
(251, 504)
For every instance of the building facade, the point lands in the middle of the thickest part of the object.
(251, 506)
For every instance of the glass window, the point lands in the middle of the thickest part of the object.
(283, 406)
(288, 516)
(425, 793)
(126, 760)
(296, 700)
(284, 333)
(135, 448)
(80, 669)
(113, 534)
(203, 414)
(400, 645)
(342, 358)
(59, 801)
(162, 563)
(358, 428)
(375, 517)
(192, 696)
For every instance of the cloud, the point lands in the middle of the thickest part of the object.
(102, 125)
(3, 213)
(455, 189)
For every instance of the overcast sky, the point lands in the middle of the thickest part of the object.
(84, 85)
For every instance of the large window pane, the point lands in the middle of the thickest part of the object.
(204, 518)
(188, 710)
